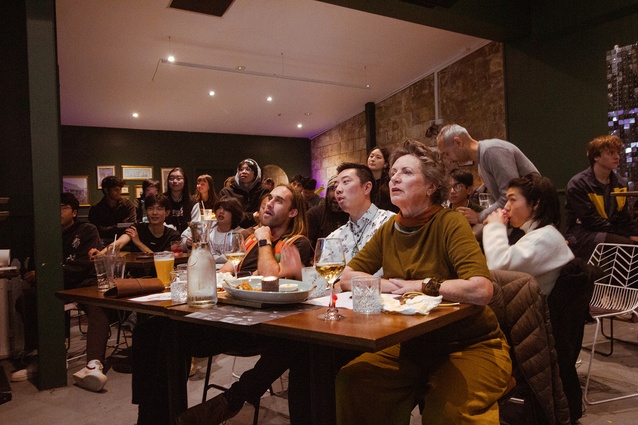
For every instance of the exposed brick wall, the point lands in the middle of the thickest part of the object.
(471, 93)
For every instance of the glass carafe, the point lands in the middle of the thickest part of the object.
(202, 276)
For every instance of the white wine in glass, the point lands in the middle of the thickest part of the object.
(330, 260)
(234, 249)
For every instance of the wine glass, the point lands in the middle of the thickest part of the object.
(330, 261)
(234, 248)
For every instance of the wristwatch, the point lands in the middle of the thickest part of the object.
(263, 242)
(430, 286)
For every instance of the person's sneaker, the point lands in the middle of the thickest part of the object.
(24, 374)
(213, 412)
(91, 377)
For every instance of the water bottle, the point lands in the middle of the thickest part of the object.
(201, 286)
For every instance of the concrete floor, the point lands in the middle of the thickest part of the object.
(72, 404)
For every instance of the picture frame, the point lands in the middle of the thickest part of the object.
(136, 172)
(138, 191)
(164, 177)
(125, 190)
(104, 171)
(78, 186)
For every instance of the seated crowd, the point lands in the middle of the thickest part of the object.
(403, 216)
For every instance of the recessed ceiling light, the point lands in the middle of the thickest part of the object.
(299, 125)
(308, 114)
(269, 98)
(135, 115)
(211, 93)
(240, 68)
(171, 58)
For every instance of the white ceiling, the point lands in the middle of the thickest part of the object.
(109, 50)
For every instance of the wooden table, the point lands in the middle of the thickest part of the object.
(627, 193)
(357, 332)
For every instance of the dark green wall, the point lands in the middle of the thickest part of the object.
(84, 148)
(556, 88)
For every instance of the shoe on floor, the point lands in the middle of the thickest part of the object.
(24, 374)
(213, 412)
(91, 377)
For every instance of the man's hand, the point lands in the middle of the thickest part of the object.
(263, 232)
(470, 214)
(290, 262)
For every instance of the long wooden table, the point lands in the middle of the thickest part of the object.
(357, 332)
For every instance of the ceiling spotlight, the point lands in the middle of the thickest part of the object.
(171, 58)
(135, 115)
(308, 114)
(211, 93)
(269, 98)
(240, 68)
(299, 125)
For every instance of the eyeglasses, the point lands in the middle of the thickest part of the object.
(64, 207)
(175, 179)
(457, 187)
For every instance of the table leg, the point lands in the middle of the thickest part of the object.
(177, 385)
(325, 363)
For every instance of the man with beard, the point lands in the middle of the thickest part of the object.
(278, 247)
(326, 218)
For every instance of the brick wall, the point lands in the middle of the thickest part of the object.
(471, 93)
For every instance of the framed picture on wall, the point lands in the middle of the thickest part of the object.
(125, 190)
(138, 190)
(164, 178)
(136, 172)
(104, 171)
(77, 185)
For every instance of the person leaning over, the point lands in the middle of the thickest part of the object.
(498, 163)
(111, 210)
(593, 215)
(458, 371)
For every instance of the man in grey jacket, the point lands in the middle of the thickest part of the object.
(498, 163)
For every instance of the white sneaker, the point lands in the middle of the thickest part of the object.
(24, 374)
(91, 377)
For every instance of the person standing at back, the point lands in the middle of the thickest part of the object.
(247, 190)
(180, 201)
(149, 187)
(498, 163)
(111, 210)
(593, 215)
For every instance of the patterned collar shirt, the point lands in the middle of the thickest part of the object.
(354, 235)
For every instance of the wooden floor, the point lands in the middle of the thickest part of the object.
(72, 404)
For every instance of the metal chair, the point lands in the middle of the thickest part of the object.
(615, 293)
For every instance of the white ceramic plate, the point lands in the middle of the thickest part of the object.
(298, 296)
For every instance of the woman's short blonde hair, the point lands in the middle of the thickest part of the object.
(432, 167)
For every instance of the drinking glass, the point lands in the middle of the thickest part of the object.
(164, 262)
(234, 249)
(484, 200)
(330, 261)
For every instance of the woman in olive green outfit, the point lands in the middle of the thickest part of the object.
(460, 370)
